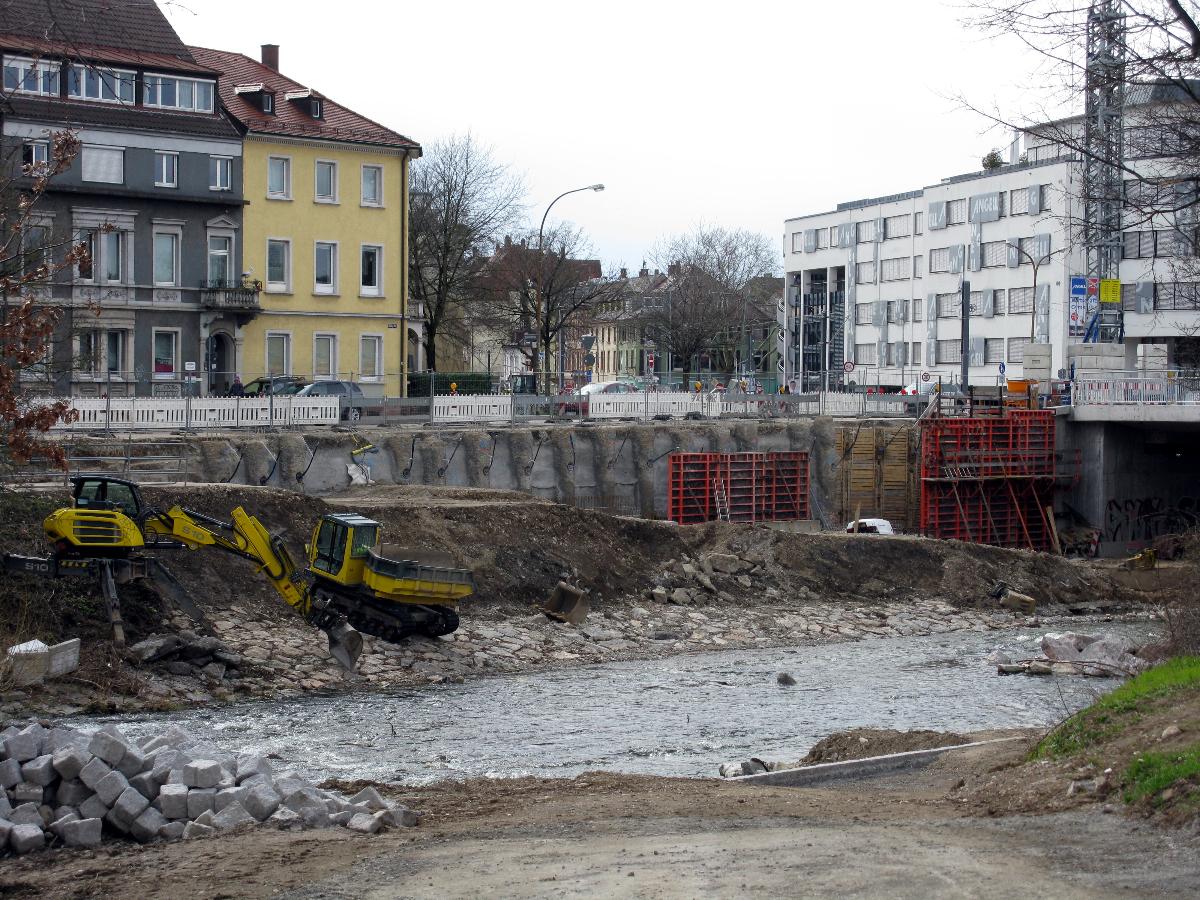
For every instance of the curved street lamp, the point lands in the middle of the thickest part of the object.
(537, 308)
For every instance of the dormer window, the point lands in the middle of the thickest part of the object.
(307, 101)
(258, 95)
(268, 103)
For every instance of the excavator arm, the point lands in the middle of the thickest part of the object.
(247, 537)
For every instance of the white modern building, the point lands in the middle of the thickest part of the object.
(874, 287)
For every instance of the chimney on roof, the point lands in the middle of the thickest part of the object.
(624, 272)
(643, 272)
(270, 56)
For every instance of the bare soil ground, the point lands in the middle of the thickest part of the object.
(908, 835)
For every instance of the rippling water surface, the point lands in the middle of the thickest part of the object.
(678, 716)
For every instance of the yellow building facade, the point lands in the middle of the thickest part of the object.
(324, 231)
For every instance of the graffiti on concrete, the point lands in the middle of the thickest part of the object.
(1145, 518)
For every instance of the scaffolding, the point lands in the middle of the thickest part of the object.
(991, 480)
(738, 487)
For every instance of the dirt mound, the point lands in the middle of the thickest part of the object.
(860, 743)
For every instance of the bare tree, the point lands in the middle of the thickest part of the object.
(1158, 78)
(30, 255)
(463, 200)
(542, 292)
(707, 301)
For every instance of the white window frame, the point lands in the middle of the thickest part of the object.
(287, 177)
(79, 237)
(330, 290)
(268, 103)
(130, 79)
(379, 367)
(231, 236)
(362, 181)
(177, 368)
(287, 352)
(278, 287)
(83, 154)
(176, 231)
(332, 337)
(164, 159)
(38, 149)
(331, 199)
(315, 107)
(123, 242)
(152, 83)
(364, 290)
(228, 184)
(43, 68)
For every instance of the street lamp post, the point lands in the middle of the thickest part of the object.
(537, 298)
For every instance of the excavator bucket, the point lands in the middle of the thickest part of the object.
(567, 604)
(345, 645)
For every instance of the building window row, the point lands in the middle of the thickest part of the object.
(325, 356)
(1160, 243)
(326, 268)
(97, 83)
(325, 181)
(895, 269)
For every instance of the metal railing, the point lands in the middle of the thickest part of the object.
(1167, 387)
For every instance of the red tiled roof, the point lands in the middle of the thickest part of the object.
(137, 25)
(337, 123)
(91, 53)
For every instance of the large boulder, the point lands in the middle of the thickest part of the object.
(1066, 647)
(155, 647)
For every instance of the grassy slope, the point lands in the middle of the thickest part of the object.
(1122, 725)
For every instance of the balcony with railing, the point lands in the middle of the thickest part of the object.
(235, 296)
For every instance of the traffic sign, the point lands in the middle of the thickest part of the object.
(1003, 369)
(650, 361)
(848, 366)
(924, 376)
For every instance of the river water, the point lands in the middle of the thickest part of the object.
(682, 715)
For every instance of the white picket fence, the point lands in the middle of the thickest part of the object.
(132, 414)
(473, 408)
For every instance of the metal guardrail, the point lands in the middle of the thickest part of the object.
(150, 414)
(1170, 387)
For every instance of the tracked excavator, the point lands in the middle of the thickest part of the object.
(352, 583)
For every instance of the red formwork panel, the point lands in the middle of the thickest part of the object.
(989, 481)
(753, 487)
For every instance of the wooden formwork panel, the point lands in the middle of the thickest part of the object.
(877, 474)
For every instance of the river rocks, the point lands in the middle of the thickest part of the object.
(168, 787)
(187, 653)
(1078, 654)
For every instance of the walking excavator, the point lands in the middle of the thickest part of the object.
(353, 585)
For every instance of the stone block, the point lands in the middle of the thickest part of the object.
(82, 833)
(284, 818)
(132, 763)
(261, 801)
(364, 823)
(172, 801)
(72, 793)
(202, 773)
(155, 647)
(57, 825)
(306, 797)
(40, 770)
(206, 818)
(251, 764)
(111, 786)
(195, 830)
(145, 784)
(64, 658)
(25, 744)
(233, 816)
(94, 772)
(29, 663)
(315, 818)
(5, 807)
(172, 831)
(119, 822)
(146, 826)
(63, 810)
(28, 793)
(229, 795)
(399, 817)
(61, 738)
(27, 814)
(174, 737)
(10, 773)
(93, 808)
(69, 761)
(200, 800)
(342, 818)
(131, 804)
(370, 798)
(107, 747)
(26, 838)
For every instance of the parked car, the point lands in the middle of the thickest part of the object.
(870, 526)
(353, 401)
(279, 385)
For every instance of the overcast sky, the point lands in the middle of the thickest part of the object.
(738, 114)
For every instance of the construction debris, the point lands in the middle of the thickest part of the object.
(66, 787)
(33, 661)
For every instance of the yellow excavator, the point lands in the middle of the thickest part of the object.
(352, 583)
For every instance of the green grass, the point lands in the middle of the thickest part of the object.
(1152, 773)
(1109, 715)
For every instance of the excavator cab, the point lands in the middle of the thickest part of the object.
(340, 547)
(103, 519)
